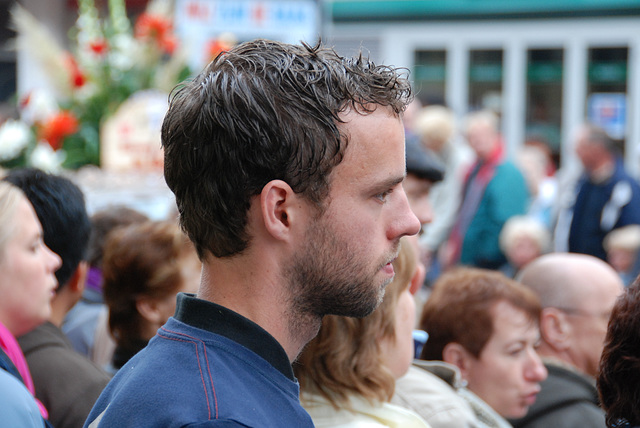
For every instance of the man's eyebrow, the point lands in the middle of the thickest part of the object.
(389, 182)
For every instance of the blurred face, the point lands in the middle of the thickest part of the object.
(27, 280)
(434, 144)
(622, 260)
(590, 154)
(344, 262)
(508, 372)
(482, 139)
(522, 251)
(417, 190)
(398, 352)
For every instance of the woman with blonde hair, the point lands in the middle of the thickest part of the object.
(523, 238)
(347, 373)
(27, 280)
(622, 246)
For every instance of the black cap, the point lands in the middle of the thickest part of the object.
(421, 162)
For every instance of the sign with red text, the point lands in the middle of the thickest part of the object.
(200, 22)
(130, 139)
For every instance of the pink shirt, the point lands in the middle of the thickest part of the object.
(10, 346)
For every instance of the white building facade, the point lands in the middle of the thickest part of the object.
(545, 66)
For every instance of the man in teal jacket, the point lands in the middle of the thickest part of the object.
(494, 191)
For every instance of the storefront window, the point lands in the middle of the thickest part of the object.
(429, 76)
(7, 57)
(607, 90)
(544, 98)
(485, 79)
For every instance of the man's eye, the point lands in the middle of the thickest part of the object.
(382, 197)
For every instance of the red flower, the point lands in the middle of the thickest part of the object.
(168, 44)
(156, 28)
(217, 46)
(99, 47)
(78, 79)
(57, 127)
(24, 101)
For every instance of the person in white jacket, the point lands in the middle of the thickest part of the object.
(347, 374)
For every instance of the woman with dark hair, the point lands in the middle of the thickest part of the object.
(619, 377)
(145, 265)
(347, 373)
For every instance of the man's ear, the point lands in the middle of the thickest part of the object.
(455, 354)
(555, 330)
(279, 205)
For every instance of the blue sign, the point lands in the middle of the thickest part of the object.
(609, 111)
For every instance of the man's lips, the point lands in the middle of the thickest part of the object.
(388, 268)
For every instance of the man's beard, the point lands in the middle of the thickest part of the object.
(328, 277)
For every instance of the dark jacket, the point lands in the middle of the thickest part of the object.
(67, 383)
(602, 207)
(568, 399)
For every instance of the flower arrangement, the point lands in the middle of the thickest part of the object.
(109, 61)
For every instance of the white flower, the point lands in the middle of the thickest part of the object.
(41, 104)
(124, 52)
(45, 158)
(14, 137)
(86, 92)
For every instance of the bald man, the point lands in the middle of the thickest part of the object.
(577, 293)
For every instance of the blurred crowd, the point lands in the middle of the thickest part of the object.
(516, 295)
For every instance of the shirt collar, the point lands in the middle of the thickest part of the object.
(217, 319)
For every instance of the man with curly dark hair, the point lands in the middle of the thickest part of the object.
(619, 374)
(287, 165)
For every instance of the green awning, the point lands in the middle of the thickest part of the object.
(417, 10)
